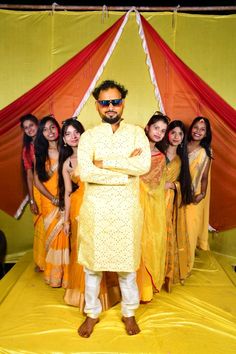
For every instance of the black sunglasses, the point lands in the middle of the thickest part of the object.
(106, 103)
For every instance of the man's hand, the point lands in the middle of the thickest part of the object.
(98, 163)
(136, 152)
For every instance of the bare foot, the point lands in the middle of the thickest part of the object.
(87, 326)
(131, 325)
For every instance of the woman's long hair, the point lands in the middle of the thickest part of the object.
(158, 116)
(66, 151)
(205, 142)
(27, 140)
(41, 146)
(184, 177)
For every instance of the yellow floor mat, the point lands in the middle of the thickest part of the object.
(197, 318)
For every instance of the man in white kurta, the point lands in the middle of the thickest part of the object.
(111, 157)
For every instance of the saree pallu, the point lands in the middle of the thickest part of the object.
(197, 215)
(150, 275)
(56, 241)
(39, 234)
(177, 251)
(74, 294)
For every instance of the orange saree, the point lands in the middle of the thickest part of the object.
(39, 233)
(56, 241)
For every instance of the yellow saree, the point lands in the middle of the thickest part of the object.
(56, 241)
(177, 252)
(150, 275)
(197, 215)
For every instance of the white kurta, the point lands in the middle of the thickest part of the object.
(110, 215)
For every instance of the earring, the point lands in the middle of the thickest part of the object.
(65, 144)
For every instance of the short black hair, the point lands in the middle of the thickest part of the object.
(105, 85)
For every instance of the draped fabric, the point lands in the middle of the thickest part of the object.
(185, 96)
(58, 94)
(177, 255)
(179, 91)
(197, 215)
(152, 198)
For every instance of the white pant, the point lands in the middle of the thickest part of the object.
(128, 287)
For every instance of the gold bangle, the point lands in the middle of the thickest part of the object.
(55, 201)
(66, 222)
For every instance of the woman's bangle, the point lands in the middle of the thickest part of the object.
(31, 201)
(55, 201)
(67, 222)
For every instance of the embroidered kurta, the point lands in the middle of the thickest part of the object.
(110, 215)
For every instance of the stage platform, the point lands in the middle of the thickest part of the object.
(197, 318)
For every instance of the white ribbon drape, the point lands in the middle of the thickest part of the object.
(108, 55)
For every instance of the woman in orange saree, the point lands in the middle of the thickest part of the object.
(46, 180)
(70, 197)
(150, 275)
(200, 156)
(177, 194)
(29, 124)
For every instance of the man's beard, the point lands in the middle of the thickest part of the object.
(111, 120)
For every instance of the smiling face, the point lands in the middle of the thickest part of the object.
(50, 131)
(111, 113)
(71, 136)
(198, 131)
(30, 128)
(156, 131)
(175, 136)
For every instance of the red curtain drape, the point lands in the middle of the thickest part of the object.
(185, 95)
(59, 94)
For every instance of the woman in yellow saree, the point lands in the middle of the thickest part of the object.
(150, 275)
(200, 156)
(46, 180)
(178, 194)
(70, 199)
(29, 124)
